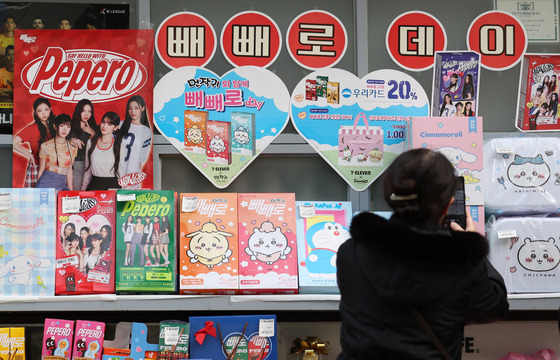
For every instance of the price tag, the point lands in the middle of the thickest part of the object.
(266, 327)
(504, 150)
(307, 210)
(171, 335)
(126, 197)
(5, 201)
(189, 203)
(506, 234)
(71, 204)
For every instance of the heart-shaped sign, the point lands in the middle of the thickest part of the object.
(357, 125)
(221, 124)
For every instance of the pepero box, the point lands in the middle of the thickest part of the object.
(333, 92)
(195, 131)
(85, 242)
(321, 228)
(173, 340)
(146, 261)
(311, 90)
(12, 343)
(267, 243)
(537, 102)
(57, 339)
(218, 146)
(88, 340)
(208, 243)
(456, 83)
(27, 248)
(234, 337)
(243, 133)
(322, 86)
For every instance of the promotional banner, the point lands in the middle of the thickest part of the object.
(357, 125)
(83, 101)
(46, 15)
(221, 124)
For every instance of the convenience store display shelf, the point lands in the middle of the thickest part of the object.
(300, 302)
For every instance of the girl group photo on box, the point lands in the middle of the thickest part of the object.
(82, 152)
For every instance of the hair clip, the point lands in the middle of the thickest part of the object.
(403, 197)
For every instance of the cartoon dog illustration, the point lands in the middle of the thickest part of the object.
(21, 267)
(209, 246)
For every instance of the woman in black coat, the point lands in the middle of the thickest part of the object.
(390, 267)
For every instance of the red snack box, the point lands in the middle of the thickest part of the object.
(218, 135)
(85, 251)
(267, 244)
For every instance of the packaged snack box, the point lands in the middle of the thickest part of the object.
(146, 261)
(85, 242)
(218, 146)
(537, 102)
(27, 233)
(311, 90)
(243, 133)
(333, 92)
(88, 341)
(195, 131)
(208, 243)
(57, 339)
(237, 337)
(267, 243)
(12, 343)
(456, 83)
(321, 228)
(173, 340)
(322, 86)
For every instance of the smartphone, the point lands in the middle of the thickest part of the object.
(457, 210)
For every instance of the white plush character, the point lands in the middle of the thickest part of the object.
(539, 255)
(528, 172)
(241, 135)
(217, 144)
(456, 155)
(20, 268)
(268, 244)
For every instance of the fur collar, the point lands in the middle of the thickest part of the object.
(432, 249)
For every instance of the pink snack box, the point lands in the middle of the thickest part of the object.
(57, 339)
(88, 342)
(267, 244)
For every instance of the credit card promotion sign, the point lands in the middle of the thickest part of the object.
(357, 125)
(221, 123)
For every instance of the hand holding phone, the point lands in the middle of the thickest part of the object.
(457, 211)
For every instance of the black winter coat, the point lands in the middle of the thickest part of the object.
(389, 267)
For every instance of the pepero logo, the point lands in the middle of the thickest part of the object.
(211, 209)
(28, 39)
(70, 75)
(262, 208)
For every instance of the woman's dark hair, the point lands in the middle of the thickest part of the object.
(77, 117)
(115, 120)
(453, 76)
(468, 87)
(61, 119)
(89, 245)
(106, 242)
(74, 236)
(419, 183)
(445, 103)
(127, 119)
(85, 228)
(44, 131)
(469, 112)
